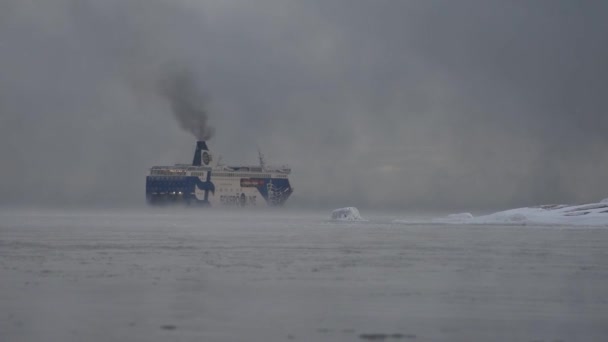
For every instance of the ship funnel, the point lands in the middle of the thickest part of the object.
(200, 147)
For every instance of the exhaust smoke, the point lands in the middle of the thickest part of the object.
(184, 93)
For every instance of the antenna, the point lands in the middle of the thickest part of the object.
(262, 160)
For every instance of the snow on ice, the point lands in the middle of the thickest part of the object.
(592, 214)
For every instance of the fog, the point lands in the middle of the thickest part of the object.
(417, 104)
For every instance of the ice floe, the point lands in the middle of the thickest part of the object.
(347, 214)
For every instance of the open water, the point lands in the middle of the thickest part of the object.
(205, 275)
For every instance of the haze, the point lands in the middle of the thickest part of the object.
(427, 104)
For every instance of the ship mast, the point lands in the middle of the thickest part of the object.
(262, 160)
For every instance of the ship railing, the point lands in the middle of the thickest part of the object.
(280, 169)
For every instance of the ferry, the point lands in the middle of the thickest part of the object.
(209, 183)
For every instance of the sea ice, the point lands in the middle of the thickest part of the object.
(592, 214)
(346, 214)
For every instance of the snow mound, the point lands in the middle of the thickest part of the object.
(592, 214)
(346, 214)
(589, 214)
(605, 200)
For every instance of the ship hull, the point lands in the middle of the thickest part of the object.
(218, 191)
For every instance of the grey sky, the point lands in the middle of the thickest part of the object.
(426, 104)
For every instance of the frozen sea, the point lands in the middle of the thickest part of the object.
(206, 275)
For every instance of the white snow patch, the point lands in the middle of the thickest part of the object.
(605, 200)
(346, 214)
(461, 216)
(592, 214)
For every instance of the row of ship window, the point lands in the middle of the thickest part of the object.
(241, 175)
(168, 172)
(169, 178)
(203, 174)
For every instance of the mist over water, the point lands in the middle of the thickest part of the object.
(433, 104)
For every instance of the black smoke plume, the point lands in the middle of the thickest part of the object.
(186, 97)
